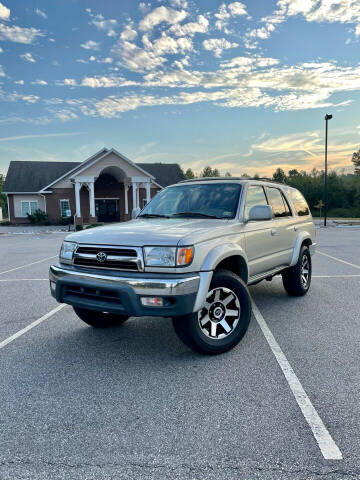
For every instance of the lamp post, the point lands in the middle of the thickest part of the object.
(327, 118)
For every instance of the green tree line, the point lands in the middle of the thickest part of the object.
(343, 189)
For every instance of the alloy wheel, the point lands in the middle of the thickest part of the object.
(220, 314)
(305, 271)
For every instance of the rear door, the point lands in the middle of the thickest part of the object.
(282, 229)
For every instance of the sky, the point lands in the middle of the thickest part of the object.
(241, 86)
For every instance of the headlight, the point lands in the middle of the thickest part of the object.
(67, 250)
(168, 256)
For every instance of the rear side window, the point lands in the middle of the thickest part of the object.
(255, 196)
(299, 202)
(278, 203)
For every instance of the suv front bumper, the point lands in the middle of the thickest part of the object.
(120, 293)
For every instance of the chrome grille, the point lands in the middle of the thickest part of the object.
(117, 258)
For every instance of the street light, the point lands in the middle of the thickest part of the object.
(327, 118)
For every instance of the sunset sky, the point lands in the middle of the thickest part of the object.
(243, 86)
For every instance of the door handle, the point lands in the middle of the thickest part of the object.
(273, 232)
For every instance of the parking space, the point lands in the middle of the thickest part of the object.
(134, 402)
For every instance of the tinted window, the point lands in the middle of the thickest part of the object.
(255, 196)
(277, 202)
(217, 199)
(301, 207)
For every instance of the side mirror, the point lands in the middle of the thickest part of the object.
(135, 213)
(260, 212)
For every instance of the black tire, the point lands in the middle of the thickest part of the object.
(190, 331)
(100, 319)
(293, 277)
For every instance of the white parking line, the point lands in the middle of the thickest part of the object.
(328, 447)
(26, 279)
(32, 325)
(28, 264)
(339, 260)
(335, 276)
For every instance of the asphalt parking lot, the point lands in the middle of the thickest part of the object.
(134, 402)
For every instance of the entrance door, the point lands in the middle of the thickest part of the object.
(107, 210)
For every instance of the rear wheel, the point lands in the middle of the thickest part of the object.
(297, 279)
(223, 320)
(100, 319)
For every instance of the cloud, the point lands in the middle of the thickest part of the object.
(166, 44)
(128, 34)
(218, 45)
(91, 45)
(109, 26)
(19, 34)
(28, 57)
(4, 12)
(69, 82)
(41, 13)
(39, 82)
(191, 28)
(225, 12)
(39, 135)
(2, 73)
(1, 50)
(162, 15)
(135, 58)
(19, 82)
(106, 82)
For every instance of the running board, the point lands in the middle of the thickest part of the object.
(270, 273)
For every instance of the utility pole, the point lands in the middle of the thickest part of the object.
(327, 118)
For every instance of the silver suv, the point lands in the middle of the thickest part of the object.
(190, 254)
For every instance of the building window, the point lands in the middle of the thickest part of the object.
(64, 207)
(28, 207)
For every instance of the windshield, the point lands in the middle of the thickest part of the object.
(216, 200)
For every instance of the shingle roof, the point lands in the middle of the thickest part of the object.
(28, 176)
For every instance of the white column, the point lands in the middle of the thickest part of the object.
(148, 194)
(77, 198)
(134, 187)
(137, 196)
(126, 188)
(92, 198)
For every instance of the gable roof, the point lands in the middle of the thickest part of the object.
(29, 176)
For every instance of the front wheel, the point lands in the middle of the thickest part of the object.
(99, 319)
(297, 279)
(223, 320)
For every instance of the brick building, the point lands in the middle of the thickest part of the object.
(104, 188)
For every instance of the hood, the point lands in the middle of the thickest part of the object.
(151, 231)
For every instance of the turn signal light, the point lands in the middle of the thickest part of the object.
(185, 256)
(152, 301)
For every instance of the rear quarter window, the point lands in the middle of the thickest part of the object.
(299, 202)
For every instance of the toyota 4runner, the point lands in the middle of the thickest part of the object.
(190, 254)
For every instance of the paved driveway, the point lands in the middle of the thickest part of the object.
(134, 402)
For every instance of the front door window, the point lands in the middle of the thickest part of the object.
(107, 210)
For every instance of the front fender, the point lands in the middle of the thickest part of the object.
(298, 242)
(220, 253)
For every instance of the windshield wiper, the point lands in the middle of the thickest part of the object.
(194, 214)
(153, 215)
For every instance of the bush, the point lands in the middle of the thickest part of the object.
(5, 223)
(93, 225)
(38, 218)
(79, 227)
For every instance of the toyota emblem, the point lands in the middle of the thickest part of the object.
(101, 257)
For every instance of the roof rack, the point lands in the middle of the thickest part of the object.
(207, 179)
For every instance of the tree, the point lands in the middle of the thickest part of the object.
(279, 175)
(228, 174)
(210, 172)
(356, 161)
(189, 174)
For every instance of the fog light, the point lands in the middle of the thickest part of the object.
(152, 301)
(52, 286)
